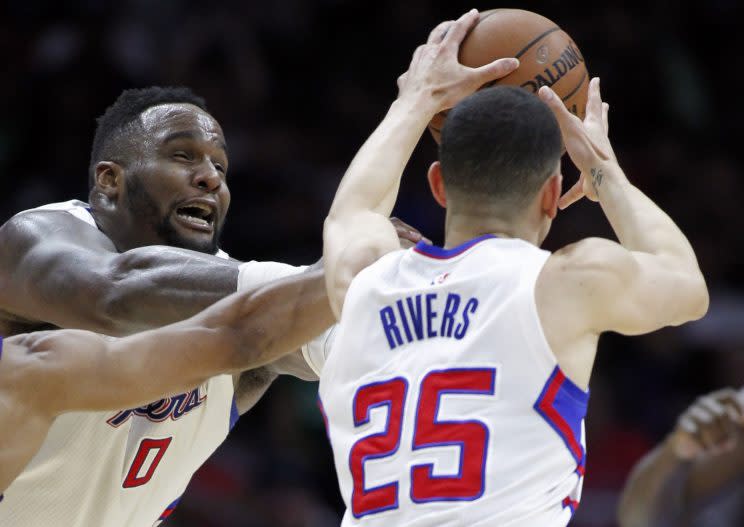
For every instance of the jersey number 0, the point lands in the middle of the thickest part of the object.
(470, 436)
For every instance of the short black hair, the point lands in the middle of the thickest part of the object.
(501, 144)
(115, 123)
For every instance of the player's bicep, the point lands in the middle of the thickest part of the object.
(620, 290)
(52, 269)
(349, 245)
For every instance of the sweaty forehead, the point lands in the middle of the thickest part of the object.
(165, 119)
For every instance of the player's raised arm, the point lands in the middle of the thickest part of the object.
(357, 231)
(651, 278)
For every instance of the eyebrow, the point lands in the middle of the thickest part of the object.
(190, 134)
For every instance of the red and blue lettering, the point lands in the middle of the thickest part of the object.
(470, 436)
(391, 394)
(171, 407)
(429, 432)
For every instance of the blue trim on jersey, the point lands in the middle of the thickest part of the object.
(563, 406)
(169, 509)
(1, 497)
(1, 356)
(432, 251)
(234, 413)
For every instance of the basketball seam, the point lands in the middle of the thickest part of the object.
(536, 40)
(572, 92)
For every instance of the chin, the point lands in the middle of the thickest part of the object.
(203, 243)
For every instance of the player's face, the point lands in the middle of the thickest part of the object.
(177, 188)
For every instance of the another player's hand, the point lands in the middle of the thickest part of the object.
(714, 424)
(587, 142)
(436, 72)
(408, 236)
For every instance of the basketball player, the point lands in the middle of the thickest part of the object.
(701, 463)
(456, 388)
(142, 254)
(45, 374)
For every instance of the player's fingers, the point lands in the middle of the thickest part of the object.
(688, 424)
(721, 428)
(594, 102)
(709, 430)
(495, 70)
(606, 117)
(572, 195)
(566, 120)
(437, 34)
(457, 31)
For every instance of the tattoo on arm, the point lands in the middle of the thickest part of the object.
(596, 178)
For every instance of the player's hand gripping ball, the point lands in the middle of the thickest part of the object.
(548, 57)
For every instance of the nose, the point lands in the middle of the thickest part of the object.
(207, 178)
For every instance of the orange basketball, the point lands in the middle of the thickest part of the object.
(548, 56)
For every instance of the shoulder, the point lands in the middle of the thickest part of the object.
(29, 228)
(584, 275)
(590, 263)
(40, 223)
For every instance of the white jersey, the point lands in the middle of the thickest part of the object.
(445, 405)
(122, 468)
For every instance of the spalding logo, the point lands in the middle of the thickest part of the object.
(569, 59)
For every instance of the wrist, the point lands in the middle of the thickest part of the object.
(607, 175)
(419, 102)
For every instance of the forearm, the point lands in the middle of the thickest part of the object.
(638, 222)
(371, 182)
(654, 493)
(265, 324)
(156, 285)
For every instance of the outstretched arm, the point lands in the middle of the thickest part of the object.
(357, 231)
(700, 460)
(77, 370)
(54, 268)
(47, 373)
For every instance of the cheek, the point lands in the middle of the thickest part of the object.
(225, 198)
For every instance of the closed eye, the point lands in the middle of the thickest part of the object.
(182, 155)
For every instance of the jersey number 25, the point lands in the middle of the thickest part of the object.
(470, 436)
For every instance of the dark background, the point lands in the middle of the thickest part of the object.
(297, 86)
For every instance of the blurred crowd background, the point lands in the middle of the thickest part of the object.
(297, 86)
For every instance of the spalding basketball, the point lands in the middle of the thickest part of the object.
(547, 55)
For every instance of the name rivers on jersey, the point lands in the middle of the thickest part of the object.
(417, 316)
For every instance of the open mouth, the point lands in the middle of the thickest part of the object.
(197, 215)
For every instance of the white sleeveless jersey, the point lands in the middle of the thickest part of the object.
(120, 468)
(445, 405)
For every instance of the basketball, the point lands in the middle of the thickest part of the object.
(548, 57)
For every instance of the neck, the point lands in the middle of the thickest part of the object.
(121, 232)
(461, 227)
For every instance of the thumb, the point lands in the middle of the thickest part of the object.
(573, 195)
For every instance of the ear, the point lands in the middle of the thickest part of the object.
(551, 193)
(436, 183)
(109, 179)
